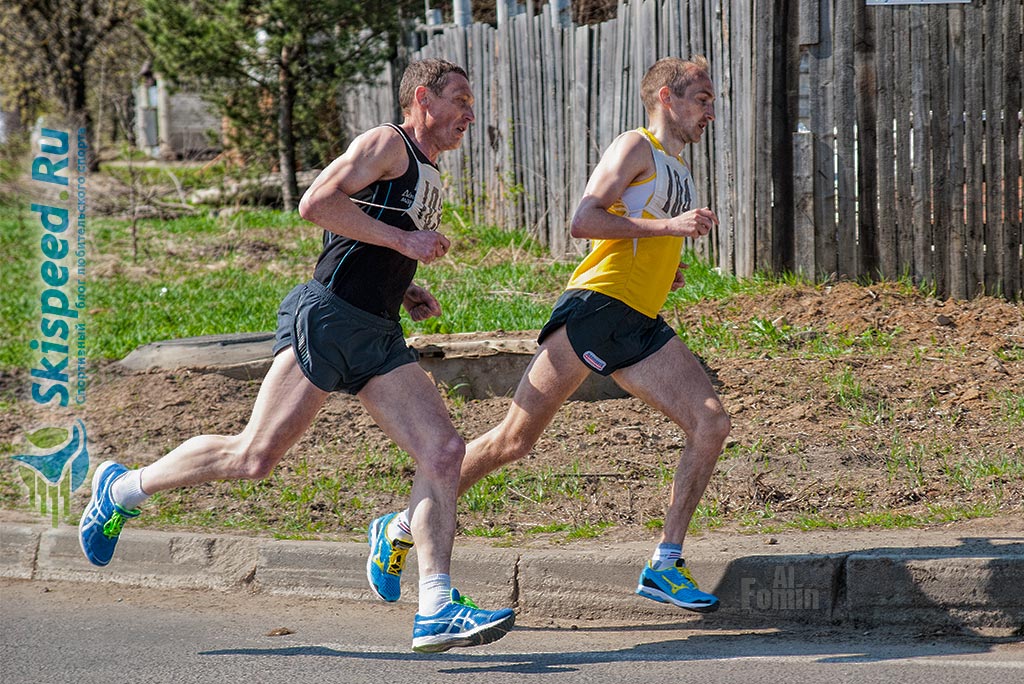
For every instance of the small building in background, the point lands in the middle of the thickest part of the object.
(175, 125)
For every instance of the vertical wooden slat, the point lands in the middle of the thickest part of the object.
(1013, 278)
(823, 126)
(744, 147)
(700, 157)
(610, 68)
(804, 213)
(974, 150)
(845, 111)
(724, 172)
(921, 173)
(478, 171)
(867, 144)
(618, 75)
(786, 121)
(957, 265)
(994, 180)
(937, 26)
(583, 122)
(762, 141)
(524, 122)
(885, 241)
(555, 134)
(538, 190)
(904, 168)
(697, 155)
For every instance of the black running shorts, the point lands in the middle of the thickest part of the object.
(604, 332)
(339, 347)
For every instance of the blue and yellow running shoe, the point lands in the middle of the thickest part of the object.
(460, 623)
(103, 519)
(675, 585)
(387, 560)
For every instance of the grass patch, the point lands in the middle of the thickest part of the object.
(880, 519)
(497, 490)
(486, 532)
(549, 529)
(1011, 407)
(588, 530)
(18, 243)
(127, 314)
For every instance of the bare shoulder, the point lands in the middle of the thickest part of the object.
(630, 156)
(381, 148)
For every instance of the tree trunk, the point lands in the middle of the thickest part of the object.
(75, 106)
(285, 137)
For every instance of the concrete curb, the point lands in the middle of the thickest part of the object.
(947, 584)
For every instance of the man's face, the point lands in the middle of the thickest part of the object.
(694, 110)
(451, 112)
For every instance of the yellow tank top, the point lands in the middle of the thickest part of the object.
(640, 271)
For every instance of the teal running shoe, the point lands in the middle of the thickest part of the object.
(675, 585)
(460, 623)
(387, 560)
(103, 519)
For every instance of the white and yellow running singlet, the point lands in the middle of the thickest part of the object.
(640, 271)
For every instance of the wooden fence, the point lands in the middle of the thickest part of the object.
(855, 140)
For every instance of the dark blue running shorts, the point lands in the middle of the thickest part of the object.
(606, 333)
(339, 347)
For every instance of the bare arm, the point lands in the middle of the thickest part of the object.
(377, 154)
(628, 160)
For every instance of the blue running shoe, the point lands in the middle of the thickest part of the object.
(386, 562)
(675, 585)
(103, 519)
(460, 623)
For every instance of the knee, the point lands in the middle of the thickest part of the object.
(716, 426)
(252, 460)
(443, 461)
(712, 428)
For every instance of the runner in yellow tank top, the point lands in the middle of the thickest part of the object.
(640, 271)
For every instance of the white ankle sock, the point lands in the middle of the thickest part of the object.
(126, 490)
(435, 592)
(399, 529)
(666, 555)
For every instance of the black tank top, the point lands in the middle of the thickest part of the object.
(375, 278)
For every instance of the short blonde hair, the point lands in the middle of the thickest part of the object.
(678, 74)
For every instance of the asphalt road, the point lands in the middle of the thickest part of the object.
(83, 633)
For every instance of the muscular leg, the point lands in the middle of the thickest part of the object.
(672, 381)
(406, 405)
(285, 407)
(553, 375)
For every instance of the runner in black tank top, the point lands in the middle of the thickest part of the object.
(375, 278)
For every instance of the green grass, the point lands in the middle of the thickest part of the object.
(18, 246)
(498, 490)
(1011, 407)
(878, 519)
(588, 530)
(127, 314)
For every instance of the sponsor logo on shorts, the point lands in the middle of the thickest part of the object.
(594, 361)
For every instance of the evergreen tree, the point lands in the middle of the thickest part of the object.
(273, 68)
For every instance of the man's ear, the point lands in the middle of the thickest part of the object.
(665, 95)
(422, 95)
